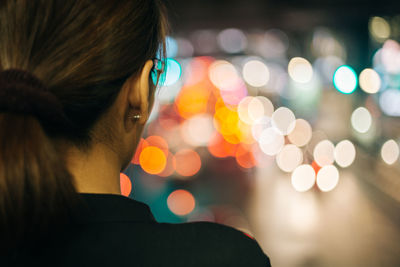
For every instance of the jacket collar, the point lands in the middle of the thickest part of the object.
(111, 208)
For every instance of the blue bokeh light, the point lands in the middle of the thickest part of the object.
(345, 79)
(171, 75)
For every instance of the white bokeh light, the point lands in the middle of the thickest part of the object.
(198, 130)
(289, 158)
(300, 70)
(324, 153)
(361, 120)
(327, 178)
(389, 102)
(224, 75)
(303, 178)
(271, 141)
(232, 40)
(345, 153)
(370, 82)
(259, 126)
(283, 120)
(390, 152)
(301, 134)
(243, 110)
(256, 73)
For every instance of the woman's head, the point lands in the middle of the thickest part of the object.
(87, 54)
(83, 51)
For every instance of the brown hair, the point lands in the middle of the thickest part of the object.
(82, 51)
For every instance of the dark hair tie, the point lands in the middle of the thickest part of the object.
(22, 92)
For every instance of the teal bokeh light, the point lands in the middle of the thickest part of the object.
(171, 75)
(345, 79)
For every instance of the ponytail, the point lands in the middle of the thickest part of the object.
(36, 189)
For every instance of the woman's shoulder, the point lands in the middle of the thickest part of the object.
(211, 244)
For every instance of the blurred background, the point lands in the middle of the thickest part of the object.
(281, 119)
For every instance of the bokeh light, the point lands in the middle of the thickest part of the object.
(390, 152)
(327, 178)
(345, 79)
(252, 109)
(188, 162)
(232, 40)
(370, 81)
(345, 153)
(243, 109)
(324, 153)
(259, 126)
(198, 130)
(283, 120)
(158, 141)
(245, 157)
(301, 134)
(303, 178)
(170, 166)
(389, 102)
(220, 148)
(390, 56)
(379, 28)
(224, 75)
(271, 141)
(173, 73)
(260, 107)
(300, 70)
(152, 160)
(289, 158)
(181, 202)
(192, 101)
(125, 184)
(256, 73)
(361, 120)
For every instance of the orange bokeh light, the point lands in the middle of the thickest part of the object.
(220, 148)
(315, 166)
(125, 184)
(188, 162)
(169, 167)
(192, 100)
(158, 141)
(244, 157)
(152, 160)
(181, 202)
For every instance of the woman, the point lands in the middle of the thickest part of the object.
(75, 93)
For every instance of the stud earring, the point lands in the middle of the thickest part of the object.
(134, 116)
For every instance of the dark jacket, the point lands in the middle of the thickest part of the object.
(113, 230)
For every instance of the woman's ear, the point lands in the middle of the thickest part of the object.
(138, 93)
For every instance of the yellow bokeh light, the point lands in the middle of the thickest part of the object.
(379, 28)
